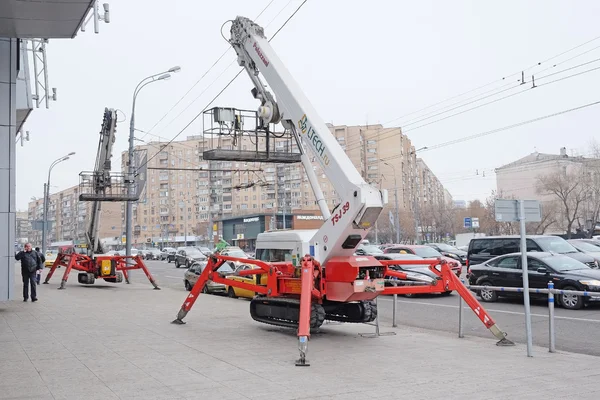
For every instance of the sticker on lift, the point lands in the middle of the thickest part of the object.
(359, 283)
(361, 259)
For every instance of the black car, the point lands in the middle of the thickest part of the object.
(171, 254)
(484, 248)
(564, 271)
(151, 254)
(450, 251)
(187, 256)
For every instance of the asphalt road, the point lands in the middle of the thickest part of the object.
(576, 330)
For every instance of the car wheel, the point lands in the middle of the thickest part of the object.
(231, 293)
(571, 301)
(447, 293)
(205, 289)
(487, 295)
(188, 287)
(177, 264)
(409, 295)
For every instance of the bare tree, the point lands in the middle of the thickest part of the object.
(550, 210)
(570, 190)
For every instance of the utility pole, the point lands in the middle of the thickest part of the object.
(397, 218)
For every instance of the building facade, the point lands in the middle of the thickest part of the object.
(23, 228)
(68, 218)
(522, 179)
(185, 194)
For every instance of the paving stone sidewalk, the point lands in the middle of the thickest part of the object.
(115, 342)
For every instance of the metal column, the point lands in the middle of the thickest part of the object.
(8, 117)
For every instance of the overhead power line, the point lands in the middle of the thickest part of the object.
(482, 134)
(200, 79)
(226, 86)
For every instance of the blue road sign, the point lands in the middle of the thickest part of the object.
(468, 222)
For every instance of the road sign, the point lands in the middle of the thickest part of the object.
(475, 223)
(508, 210)
(468, 222)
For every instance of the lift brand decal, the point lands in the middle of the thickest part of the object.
(261, 55)
(314, 138)
(340, 213)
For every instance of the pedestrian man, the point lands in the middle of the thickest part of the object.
(30, 263)
(38, 275)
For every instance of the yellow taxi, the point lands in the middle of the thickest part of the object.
(251, 279)
(50, 258)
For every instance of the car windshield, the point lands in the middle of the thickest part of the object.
(555, 244)
(225, 268)
(371, 249)
(398, 256)
(446, 247)
(427, 252)
(204, 249)
(564, 263)
(585, 246)
(194, 253)
(236, 253)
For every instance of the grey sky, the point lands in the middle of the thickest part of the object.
(357, 61)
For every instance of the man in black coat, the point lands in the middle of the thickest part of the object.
(30, 263)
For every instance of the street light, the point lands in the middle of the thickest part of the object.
(47, 199)
(161, 76)
(397, 227)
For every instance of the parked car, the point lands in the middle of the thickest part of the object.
(427, 253)
(191, 277)
(252, 279)
(450, 251)
(367, 250)
(564, 271)
(482, 249)
(187, 256)
(172, 254)
(418, 273)
(164, 253)
(152, 254)
(587, 248)
(50, 258)
(234, 251)
(205, 250)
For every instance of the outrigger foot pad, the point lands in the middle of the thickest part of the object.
(505, 342)
(44, 283)
(302, 361)
(177, 321)
(156, 288)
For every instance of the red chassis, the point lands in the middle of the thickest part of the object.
(346, 280)
(110, 268)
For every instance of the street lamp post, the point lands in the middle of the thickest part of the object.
(397, 227)
(47, 200)
(185, 224)
(130, 170)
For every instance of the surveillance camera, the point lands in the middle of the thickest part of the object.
(106, 12)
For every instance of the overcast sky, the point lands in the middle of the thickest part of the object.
(358, 62)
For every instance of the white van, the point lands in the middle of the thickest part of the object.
(278, 246)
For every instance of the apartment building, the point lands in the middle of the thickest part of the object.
(23, 227)
(187, 195)
(69, 217)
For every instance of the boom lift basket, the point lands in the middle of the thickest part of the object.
(239, 135)
(99, 186)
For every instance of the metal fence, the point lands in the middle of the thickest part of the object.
(550, 291)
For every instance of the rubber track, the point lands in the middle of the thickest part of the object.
(369, 316)
(317, 313)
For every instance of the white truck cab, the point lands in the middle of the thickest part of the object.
(279, 246)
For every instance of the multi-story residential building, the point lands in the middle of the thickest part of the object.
(69, 217)
(23, 227)
(186, 194)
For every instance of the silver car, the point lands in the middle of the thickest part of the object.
(191, 277)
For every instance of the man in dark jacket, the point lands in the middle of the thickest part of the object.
(38, 275)
(30, 263)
